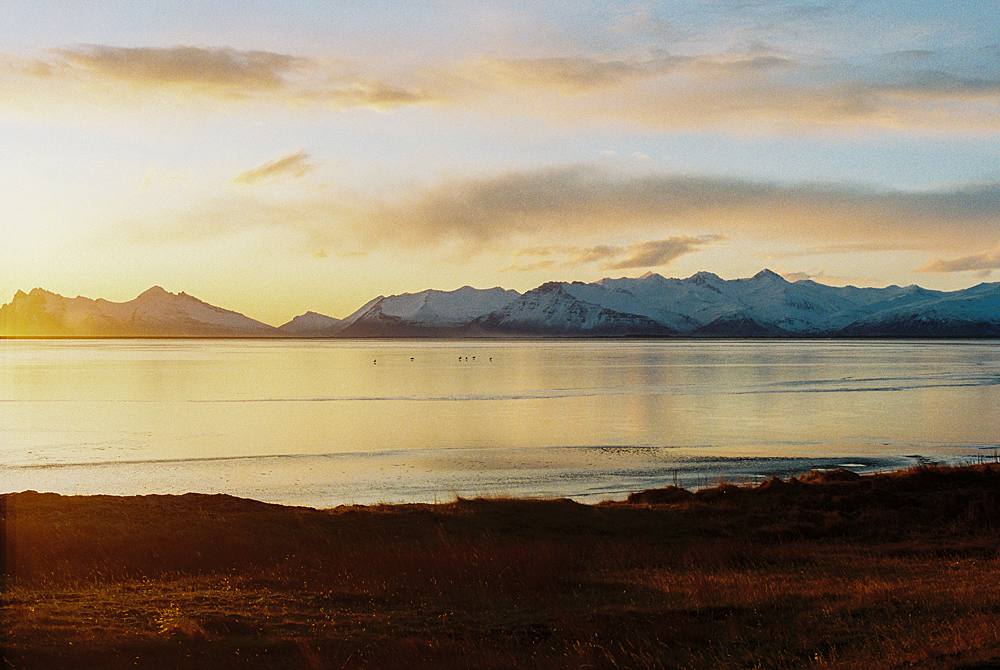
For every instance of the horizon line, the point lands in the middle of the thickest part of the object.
(646, 275)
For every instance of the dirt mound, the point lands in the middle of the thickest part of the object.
(835, 476)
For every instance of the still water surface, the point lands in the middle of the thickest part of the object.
(330, 422)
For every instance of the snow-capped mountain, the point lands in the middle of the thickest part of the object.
(702, 305)
(705, 302)
(973, 312)
(553, 309)
(154, 313)
(707, 305)
(427, 312)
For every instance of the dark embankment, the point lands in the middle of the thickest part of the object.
(833, 571)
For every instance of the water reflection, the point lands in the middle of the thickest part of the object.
(317, 422)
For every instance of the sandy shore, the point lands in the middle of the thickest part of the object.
(893, 570)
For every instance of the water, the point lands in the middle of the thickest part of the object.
(330, 422)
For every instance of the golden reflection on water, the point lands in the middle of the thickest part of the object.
(526, 416)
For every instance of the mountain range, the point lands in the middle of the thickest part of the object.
(702, 305)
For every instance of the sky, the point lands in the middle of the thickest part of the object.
(275, 157)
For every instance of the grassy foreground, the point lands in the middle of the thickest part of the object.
(885, 571)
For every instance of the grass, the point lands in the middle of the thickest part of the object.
(892, 570)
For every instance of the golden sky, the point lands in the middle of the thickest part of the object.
(277, 158)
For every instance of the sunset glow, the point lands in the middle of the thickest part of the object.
(314, 156)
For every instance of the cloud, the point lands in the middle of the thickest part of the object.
(650, 254)
(658, 252)
(292, 165)
(530, 267)
(573, 199)
(753, 91)
(939, 84)
(946, 104)
(567, 74)
(374, 94)
(576, 74)
(987, 262)
(548, 205)
(855, 247)
(824, 278)
(220, 70)
(106, 73)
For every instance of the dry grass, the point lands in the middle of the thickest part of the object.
(885, 571)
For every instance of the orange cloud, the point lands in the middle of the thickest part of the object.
(748, 92)
(984, 262)
(104, 73)
(578, 199)
(217, 70)
(574, 74)
(542, 206)
(649, 254)
(824, 278)
(292, 165)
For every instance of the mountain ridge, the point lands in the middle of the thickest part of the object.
(651, 305)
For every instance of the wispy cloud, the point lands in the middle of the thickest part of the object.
(534, 266)
(568, 74)
(374, 94)
(292, 165)
(649, 254)
(656, 253)
(987, 261)
(824, 278)
(575, 74)
(215, 70)
(757, 90)
(218, 73)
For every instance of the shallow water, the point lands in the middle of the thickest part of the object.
(329, 422)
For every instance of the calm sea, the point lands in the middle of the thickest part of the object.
(329, 422)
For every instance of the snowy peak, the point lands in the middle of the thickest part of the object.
(769, 276)
(704, 277)
(702, 305)
(554, 309)
(428, 312)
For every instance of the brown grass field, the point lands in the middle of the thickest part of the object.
(887, 571)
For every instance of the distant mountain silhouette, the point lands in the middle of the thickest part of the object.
(312, 324)
(154, 313)
(702, 305)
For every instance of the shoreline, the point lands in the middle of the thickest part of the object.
(881, 570)
(596, 486)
